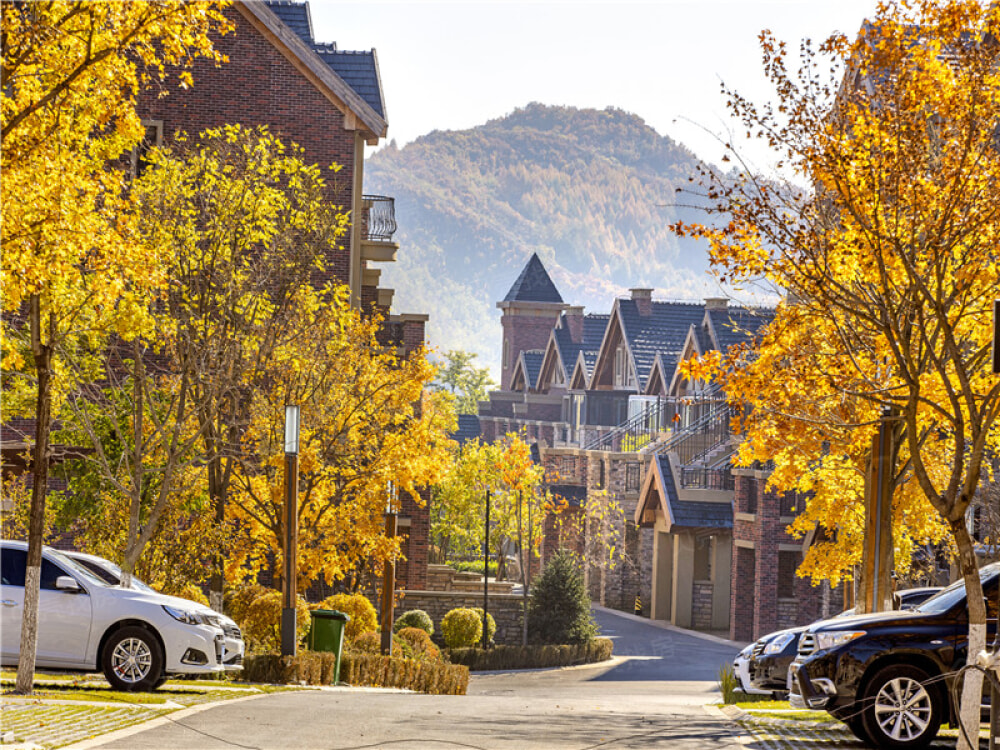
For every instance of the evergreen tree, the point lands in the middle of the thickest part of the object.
(560, 606)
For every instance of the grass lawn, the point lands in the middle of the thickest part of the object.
(783, 710)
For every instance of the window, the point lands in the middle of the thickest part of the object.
(12, 569)
(787, 563)
(12, 562)
(631, 477)
(622, 374)
(506, 353)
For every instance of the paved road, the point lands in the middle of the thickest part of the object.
(651, 696)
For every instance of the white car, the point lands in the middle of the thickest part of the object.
(137, 638)
(234, 648)
(741, 668)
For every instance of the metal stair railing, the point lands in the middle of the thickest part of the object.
(699, 438)
(636, 433)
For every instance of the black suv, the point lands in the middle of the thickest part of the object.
(773, 653)
(888, 676)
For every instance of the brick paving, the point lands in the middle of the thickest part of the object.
(51, 726)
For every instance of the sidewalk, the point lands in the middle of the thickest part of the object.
(50, 720)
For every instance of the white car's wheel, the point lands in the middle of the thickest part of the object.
(132, 660)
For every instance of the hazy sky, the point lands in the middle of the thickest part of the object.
(453, 65)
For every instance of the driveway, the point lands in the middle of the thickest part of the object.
(650, 696)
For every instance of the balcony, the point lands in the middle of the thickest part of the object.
(378, 225)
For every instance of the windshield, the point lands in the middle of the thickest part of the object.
(75, 568)
(136, 583)
(954, 595)
(110, 573)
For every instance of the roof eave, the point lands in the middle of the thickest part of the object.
(311, 65)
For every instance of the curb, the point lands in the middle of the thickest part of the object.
(668, 626)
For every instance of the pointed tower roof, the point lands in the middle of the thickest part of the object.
(534, 285)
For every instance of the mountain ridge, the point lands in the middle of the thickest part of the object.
(591, 191)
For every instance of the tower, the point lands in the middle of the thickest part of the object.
(529, 312)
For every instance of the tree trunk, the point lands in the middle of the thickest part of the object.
(135, 509)
(216, 584)
(972, 685)
(40, 476)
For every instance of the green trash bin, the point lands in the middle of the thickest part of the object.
(326, 633)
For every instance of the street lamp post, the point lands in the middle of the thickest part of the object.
(389, 571)
(291, 530)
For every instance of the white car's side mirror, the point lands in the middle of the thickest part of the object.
(68, 584)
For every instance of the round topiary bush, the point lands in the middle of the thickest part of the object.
(491, 624)
(420, 645)
(262, 623)
(415, 618)
(462, 628)
(239, 598)
(366, 643)
(361, 611)
(559, 611)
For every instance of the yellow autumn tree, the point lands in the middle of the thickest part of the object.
(889, 262)
(73, 269)
(367, 419)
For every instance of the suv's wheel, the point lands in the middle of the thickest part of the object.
(132, 659)
(855, 722)
(900, 710)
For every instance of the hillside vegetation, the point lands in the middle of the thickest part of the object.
(592, 192)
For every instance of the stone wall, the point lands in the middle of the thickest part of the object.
(505, 608)
(701, 605)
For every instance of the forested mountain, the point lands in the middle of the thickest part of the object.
(592, 192)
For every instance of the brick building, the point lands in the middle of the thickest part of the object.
(329, 102)
(705, 544)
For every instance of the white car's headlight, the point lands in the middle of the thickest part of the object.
(778, 644)
(832, 639)
(184, 615)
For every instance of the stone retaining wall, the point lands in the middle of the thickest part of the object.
(505, 608)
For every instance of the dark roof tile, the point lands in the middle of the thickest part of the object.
(534, 285)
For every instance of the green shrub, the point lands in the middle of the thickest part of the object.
(728, 683)
(491, 624)
(261, 624)
(364, 619)
(317, 668)
(461, 627)
(419, 644)
(532, 656)
(415, 618)
(559, 611)
(433, 677)
(473, 566)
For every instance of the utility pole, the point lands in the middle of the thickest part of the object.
(288, 614)
(389, 571)
(486, 574)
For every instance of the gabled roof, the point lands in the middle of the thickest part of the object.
(288, 26)
(659, 494)
(568, 351)
(735, 325)
(528, 367)
(660, 333)
(534, 284)
(360, 71)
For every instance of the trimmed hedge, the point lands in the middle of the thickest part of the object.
(316, 668)
(532, 657)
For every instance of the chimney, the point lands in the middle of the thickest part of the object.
(716, 303)
(574, 322)
(643, 300)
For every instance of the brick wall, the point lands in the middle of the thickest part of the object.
(523, 332)
(259, 86)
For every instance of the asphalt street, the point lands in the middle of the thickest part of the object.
(652, 695)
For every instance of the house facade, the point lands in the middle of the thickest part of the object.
(704, 544)
(330, 102)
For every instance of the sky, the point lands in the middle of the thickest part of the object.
(454, 65)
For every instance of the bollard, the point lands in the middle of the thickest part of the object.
(638, 605)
